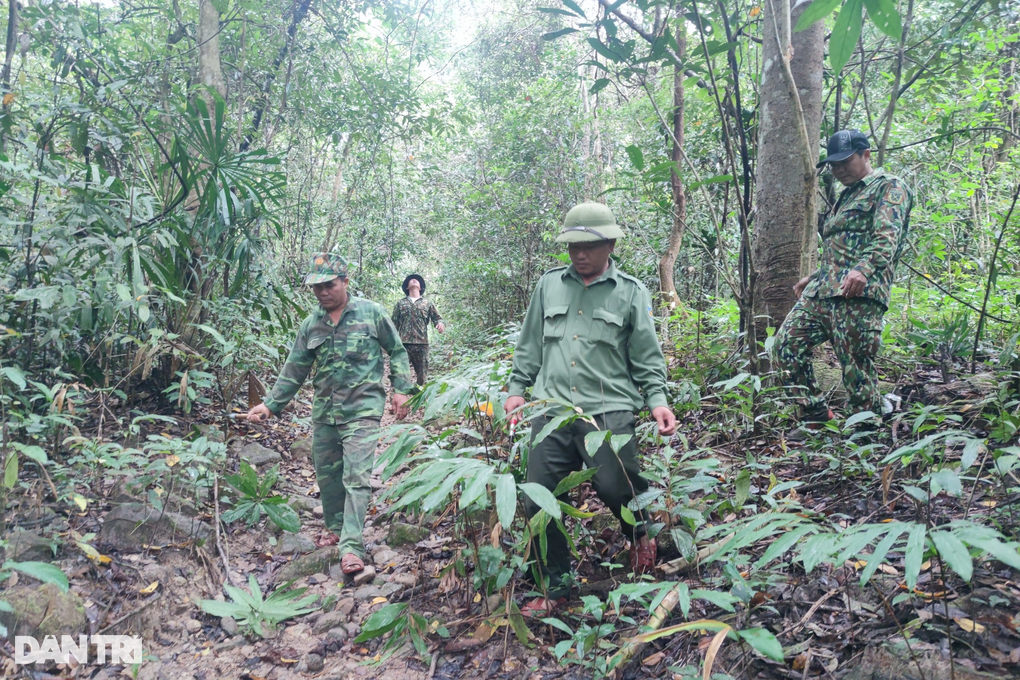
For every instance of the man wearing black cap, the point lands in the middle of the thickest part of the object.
(412, 317)
(844, 301)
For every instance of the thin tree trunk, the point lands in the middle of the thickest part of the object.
(667, 263)
(786, 224)
(210, 73)
(5, 76)
(894, 94)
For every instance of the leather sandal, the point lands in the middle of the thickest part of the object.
(326, 539)
(351, 564)
(541, 606)
(642, 555)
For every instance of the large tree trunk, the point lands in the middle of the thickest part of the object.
(785, 227)
(210, 73)
(667, 287)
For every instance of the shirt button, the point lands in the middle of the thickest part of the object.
(575, 337)
(573, 363)
(580, 311)
(574, 389)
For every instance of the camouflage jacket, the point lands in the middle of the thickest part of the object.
(865, 230)
(349, 364)
(412, 319)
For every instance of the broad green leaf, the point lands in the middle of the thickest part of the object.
(556, 623)
(599, 85)
(557, 34)
(543, 498)
(845, 34)
(11, 470)
(858, 418)
(618, 441)
(947, 480)
(283, 516)
(819, 9)
(381, 622)
(606, 51)
(885, 17)
(914, 555)
(721, 600)
(628, 515)
(954, 553)
(575, 7)
(970, 453)
(15, 375)
(549, 428)
(742, 488)
(41, 571)
(574, 479)
(593, 441)
(763, 642)
(31, 451)
(221, 609)
(637, 159)
(506, 500)
(881, 550)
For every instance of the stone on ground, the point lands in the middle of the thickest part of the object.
(301, 449)
(257, 455)
(130, 526)
(315, 562)
(291, 544)
(28, 546)
(43, 610)
(401, 533)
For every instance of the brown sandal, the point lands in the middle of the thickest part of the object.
(642, 555)
(351, 564)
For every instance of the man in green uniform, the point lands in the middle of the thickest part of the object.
(412, 317)
(344, 340)
(844, 301)
(588, 339)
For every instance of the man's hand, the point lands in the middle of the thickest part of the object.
(853, 283)
(798, 288)
(400, 405)
(259, 414)
(441, 327)
(512, 404)
(666, 420)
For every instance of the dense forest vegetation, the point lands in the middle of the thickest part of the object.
(166, 168)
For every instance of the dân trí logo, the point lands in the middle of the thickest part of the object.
(109, 649)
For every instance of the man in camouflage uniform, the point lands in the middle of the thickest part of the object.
(344, 340)
(844, 301)
(588, 339)
(412, 317)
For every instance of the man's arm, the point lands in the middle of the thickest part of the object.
(434, 317)
(295, 371)
(891, 210)
(400, 366)
(528, 353)
(647, 364)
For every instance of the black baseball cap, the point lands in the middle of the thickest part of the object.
(844, 144)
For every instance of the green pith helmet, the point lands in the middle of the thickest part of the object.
(589, 222)
(325, 267)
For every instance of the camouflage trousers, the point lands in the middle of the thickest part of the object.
(418, 353)
(343, 457)
(854, 328)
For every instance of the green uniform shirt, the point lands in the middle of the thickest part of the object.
(592, 346)
(412, 319)
(349, 364)
(865, 231)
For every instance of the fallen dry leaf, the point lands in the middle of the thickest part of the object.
(653, 660)
(149, 589)
(969, 625)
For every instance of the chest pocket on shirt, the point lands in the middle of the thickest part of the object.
(607, 327)
(316, 341)
(358, 345)
(854, 217)
(555, 323)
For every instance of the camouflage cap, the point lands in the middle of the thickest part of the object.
(325, 267)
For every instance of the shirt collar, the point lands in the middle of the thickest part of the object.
(323, 317)
(610, 274)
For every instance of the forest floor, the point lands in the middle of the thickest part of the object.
(828, 625)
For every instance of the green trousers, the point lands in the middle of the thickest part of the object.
(343, 457)
(854, 328)
(617, 481)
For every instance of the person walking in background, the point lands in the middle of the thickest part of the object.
(412, 317)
